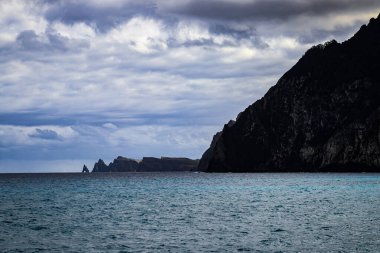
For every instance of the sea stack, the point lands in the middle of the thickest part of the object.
(85, 169)
(322, 115)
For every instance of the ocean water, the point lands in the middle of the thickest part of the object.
(187, 212)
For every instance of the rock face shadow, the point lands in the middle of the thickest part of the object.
(323, 115)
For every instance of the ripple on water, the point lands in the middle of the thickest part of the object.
(185, 212)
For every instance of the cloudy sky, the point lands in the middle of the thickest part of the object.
(82, 80)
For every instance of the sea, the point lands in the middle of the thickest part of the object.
(189, 212)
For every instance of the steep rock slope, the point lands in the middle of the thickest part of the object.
(322, 115)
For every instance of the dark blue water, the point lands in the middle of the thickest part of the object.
(185, 212)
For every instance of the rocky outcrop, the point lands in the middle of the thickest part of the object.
(100, 166)
(85, 169)
(147, 164)
(322, 115)
(122, 164)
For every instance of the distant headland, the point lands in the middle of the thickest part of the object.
(147, 164)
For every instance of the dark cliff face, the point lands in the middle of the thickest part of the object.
(168, 164)
(100, 166)
(322, 115)
(122, 164)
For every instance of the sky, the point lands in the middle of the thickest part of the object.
(83, 80)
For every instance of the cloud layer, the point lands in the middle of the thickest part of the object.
(89, 79)
(270, 10)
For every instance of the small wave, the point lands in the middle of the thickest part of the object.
(37, 228)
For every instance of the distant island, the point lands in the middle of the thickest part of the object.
(147, 164)
(323, 115)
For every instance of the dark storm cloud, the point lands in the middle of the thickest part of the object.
(45, 134)
(238, 34)
(270, 9)
(29, 45)
(29, 40)
(103, 18)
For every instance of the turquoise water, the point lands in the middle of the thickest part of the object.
(186, 212)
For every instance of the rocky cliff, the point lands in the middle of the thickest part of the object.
(168, 164)
(322, 115)
(122, 164)
(100, 166)
(147, 164)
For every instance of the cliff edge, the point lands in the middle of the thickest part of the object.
(322, 115)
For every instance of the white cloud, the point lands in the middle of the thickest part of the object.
(17, 16)
(92, 142)
(79, 31)
(110, 126)
(144, 35)
(191, 31)
(11, 135)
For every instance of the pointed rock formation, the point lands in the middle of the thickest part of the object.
(100, 166)
(85, 169)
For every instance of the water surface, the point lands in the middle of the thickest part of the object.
(187, 212)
